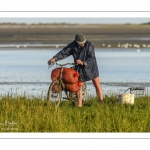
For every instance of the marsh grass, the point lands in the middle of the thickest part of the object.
(35, 115)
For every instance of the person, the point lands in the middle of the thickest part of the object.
(83, 53)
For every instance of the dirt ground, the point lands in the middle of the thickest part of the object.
(99, 35)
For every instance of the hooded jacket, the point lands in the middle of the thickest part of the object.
(89, 70)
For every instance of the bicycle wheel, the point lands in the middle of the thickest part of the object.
(84, 92)
(54, 93)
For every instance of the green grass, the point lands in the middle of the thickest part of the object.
(35, 115)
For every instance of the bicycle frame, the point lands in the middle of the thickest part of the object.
(61, 86)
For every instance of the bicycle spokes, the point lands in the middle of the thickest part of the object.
(55, 92)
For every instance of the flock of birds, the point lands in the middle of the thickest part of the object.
(127, 45)
(30, 45)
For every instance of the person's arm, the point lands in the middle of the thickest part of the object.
(65, 52)
(90, 57)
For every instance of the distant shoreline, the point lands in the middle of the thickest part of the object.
(102, 36)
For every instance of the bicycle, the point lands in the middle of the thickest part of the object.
(58, 86)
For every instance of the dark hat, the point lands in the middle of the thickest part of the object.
(80, 39)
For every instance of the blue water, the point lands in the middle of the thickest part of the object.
(26, 70)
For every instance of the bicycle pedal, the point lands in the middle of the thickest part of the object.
(73, 104)
(53, 96)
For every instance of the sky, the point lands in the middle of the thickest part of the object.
(84, 20)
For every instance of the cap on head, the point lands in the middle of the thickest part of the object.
(80, 38)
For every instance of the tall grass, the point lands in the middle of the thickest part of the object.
(35, 115)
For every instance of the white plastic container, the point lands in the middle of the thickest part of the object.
(126, 98)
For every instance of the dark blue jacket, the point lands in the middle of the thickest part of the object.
(89, 70)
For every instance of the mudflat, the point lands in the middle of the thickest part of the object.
(99, 35)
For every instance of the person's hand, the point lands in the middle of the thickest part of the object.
(51, 61)
(79, 62)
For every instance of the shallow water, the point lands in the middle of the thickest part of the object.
(26, 70)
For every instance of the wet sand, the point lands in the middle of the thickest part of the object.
(100, 35)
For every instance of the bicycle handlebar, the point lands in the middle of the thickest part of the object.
(63, 64)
